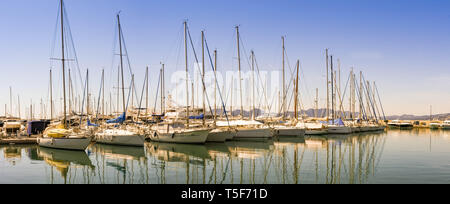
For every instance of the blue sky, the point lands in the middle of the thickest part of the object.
(403, 45)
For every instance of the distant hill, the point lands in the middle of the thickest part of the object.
(322, 112)
(444, 116)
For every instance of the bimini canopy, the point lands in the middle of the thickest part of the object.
(197, 117)
(336, 122)
(120, 119)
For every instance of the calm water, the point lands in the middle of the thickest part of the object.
(398, 156)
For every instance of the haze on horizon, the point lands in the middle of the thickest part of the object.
(403, 45)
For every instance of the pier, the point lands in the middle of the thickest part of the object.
(21, 140)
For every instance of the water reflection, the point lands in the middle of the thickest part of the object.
(330, 159)
(64, 161)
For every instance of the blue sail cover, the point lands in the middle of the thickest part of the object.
(120, 119)
(197, 117)
(91, 124)
(336, 122)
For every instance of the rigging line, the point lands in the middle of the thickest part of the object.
(343, 95)
(114, 44)
(217, 82)
(198, 67)
(99, 97)
(361, 103)
(128, 100)
(302, 73)
(82, 105)
(142, 94)
(52, 52)
(157, 92)
(262, 85)
(126, 53)
(379, 99)
(371, 100)
(72, 43)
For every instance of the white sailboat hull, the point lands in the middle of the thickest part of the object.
(185, 137)
(254, 133)
(289, 131)
(316, 132)
(65, 143)
(218, 135)
(339, 130)
(125, 140)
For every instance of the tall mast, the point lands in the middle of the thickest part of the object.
(187, 75)
(203, 77)
(88, 100)
(163, 84)
(351, 95)
(232, 87)
(121, 62)
(332, 90)
(18, 102)
(328, 90)
(146, 91)
(253, 86)
(360, 96)
(63, 62)
(103, 93)
(296, 92)
(10, 102)
(239, 65)
(284, 84)
(215, 87)
(162, 89)
(317, 103)
(51, 96)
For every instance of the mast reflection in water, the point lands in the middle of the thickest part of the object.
(410, 156)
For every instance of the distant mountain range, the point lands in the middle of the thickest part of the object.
(444, 116)
(322, 112)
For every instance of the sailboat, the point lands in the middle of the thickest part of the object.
(446, 125)
(176, 131)
(59, 136)
(337, 125)
(120, 135)
(291, 129)
(246, 128)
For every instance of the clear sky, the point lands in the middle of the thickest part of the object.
(403, 45)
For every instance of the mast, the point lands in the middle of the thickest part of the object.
(284, 84)
(253, 86)
(203, 77)
(103, 93)
(18, 102)
(351, 95)
(63, 62)
(360, 96)
(187, 75)
(121, 62)
(328, 90)
(215, 87)
(10, 101)
(317, 103)
(232, 87)
(87, 93)
(146, 92)
(51, 96)
(332, 90)
(163, 88)
(296, 92)
(239, 65)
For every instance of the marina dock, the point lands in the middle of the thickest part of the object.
(28, 140)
